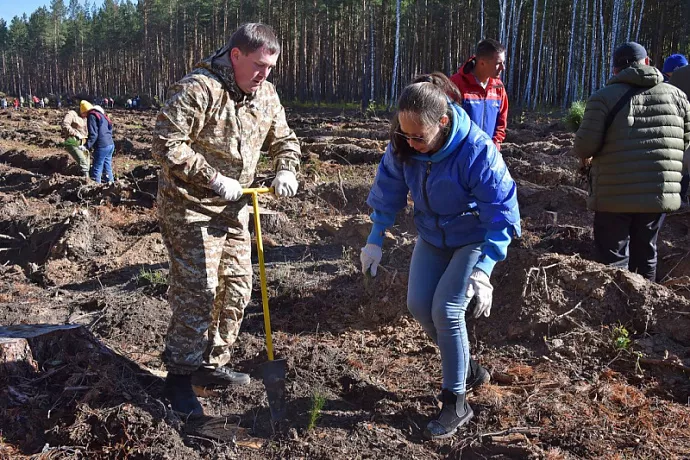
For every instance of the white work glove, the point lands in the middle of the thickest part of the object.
(480, 287)
(285, 184)
(227, 188)
(83, 148)
(370, 258)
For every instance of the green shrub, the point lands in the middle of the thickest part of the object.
(621, 338)
(573, 118)
(151, 277)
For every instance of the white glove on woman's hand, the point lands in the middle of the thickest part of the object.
(227, 188)
(370, 258)
(285, 184)
(480, 286)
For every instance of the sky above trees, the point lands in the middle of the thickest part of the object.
(12, 8)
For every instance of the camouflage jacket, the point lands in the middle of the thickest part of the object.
(74, 126)
(209, 125)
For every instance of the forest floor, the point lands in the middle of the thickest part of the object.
(586, 361)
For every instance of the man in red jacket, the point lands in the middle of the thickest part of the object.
(483, 94)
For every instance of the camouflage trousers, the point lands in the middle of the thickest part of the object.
(210, 283)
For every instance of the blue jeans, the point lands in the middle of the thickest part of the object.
(102, 162)
(436, 298)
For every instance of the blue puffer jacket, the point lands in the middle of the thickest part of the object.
(462, 194)
(100, 129)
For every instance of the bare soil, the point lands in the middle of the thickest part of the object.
(565, 381)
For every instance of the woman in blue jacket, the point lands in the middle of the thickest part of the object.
(100, 139)
(466, 214)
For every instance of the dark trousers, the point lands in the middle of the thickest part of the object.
(684, 187)
(628, 240)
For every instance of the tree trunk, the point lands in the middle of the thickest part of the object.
(528, 89)
(570, 56)
(396, 57)
(537, 88)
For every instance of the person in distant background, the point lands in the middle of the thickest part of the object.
(100, 139)
(680, 78)
(75, 134)
(484, 97)
(671, 64)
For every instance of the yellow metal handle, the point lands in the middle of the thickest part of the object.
(249, 191)
(254, 192)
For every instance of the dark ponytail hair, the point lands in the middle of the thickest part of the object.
(427, 97)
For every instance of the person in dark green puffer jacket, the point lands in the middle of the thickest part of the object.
(636, 159)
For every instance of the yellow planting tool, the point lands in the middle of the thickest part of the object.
(274, 370)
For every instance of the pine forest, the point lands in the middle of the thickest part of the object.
(558, 51)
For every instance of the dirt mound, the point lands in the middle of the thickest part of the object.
(82, 239)
(556, 289)
(135, 148)
(137, 187)
(75, 392)
(343, 153)
(346, 197)
(44, 165)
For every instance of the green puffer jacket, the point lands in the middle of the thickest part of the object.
(636, 164)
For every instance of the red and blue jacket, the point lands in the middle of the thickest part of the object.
(100, 129)
(488, 107)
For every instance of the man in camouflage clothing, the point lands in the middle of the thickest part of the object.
(208, 138)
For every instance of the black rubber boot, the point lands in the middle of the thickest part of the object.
(218, 376)
(454, 414)
(178, 390)
(476, 376)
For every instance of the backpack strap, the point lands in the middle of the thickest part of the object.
(627, 97)
(98, 116)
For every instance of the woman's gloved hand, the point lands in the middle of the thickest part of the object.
(480, 287)
(370, 257)
(227, 188)
(285, 184)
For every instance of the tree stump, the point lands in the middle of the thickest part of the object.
(24, 347)
(16, 358)
(271, 221)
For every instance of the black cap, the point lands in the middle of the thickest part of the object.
(628, 53)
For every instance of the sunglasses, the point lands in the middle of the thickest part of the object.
(411, 138)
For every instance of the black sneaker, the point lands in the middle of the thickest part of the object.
(454, 414)
(218, 376)
(178, 390)
(476, 376)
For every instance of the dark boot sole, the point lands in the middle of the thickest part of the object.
(206, 383)
(468, 416)
(189, 415)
